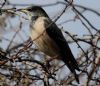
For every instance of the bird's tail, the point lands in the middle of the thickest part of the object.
(72, 68)
(76, 77)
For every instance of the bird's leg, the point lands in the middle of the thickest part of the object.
(53, 58)
(50, 59)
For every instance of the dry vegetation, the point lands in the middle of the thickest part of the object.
(21, 64)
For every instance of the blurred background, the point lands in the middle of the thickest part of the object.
(22, 64)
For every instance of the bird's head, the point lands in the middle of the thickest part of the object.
(34, 12)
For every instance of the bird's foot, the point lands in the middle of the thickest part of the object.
(50, 59)
(53, 58)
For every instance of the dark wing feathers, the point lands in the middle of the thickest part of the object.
(56, 35)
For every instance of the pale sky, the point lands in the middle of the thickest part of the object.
(72, 27)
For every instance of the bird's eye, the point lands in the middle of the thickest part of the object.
(34, 18)
(30, 10)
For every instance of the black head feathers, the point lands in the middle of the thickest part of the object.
(37, 10)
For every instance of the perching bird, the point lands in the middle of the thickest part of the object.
(49, 38)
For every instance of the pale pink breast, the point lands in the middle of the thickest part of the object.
(43, 42)
(47, 45)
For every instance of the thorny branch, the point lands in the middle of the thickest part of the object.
(22, 66)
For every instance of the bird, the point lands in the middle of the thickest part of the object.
(49, 39)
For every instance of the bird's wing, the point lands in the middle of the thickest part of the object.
(56, 35)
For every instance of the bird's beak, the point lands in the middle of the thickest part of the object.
(29, 14)
(23, 11)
